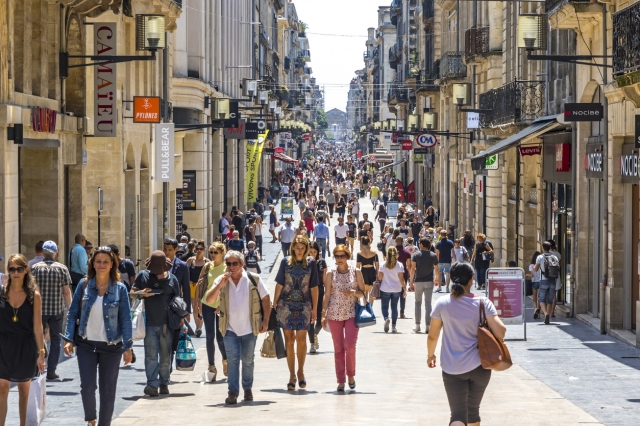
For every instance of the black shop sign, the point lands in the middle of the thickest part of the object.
(178, 211)
(189, 190)
(593, 161)
(583, 112)
(629, 164)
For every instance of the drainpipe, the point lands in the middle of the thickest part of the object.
(165, 118)
(63, 48)
(605, 171)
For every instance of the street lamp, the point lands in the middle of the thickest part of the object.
(249, 88)
(220, 108)
(429, 120)
(263, 97)
(532, 31)
(462, 94)
(150, 32)
(385, 125)
(413, 121)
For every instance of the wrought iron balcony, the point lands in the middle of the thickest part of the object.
(398, 95)
(626, 45)
(178, 3)
(411, 71)
(551, 5)
(452, 66)
(514, 103)
(393, 56)
(476, 42)
(427, 9)
(426, 79)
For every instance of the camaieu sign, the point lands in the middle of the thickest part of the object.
(583, 112)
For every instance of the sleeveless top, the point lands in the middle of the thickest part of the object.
(194, 272)
(341, 307)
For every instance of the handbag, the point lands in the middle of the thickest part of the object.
(185, 354)
(281, 351)
(494, 354)
(375, 291)
(268, 349)
(364, 315)
(273, 320)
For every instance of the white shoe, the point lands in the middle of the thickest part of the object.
(393, 329)
(312, 350)
(416, 329)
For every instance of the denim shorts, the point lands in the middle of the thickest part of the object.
(535, 285)
(547, 291)
(444, 267)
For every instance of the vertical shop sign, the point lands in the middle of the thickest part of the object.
(178, 210)
(189, 190)
(164, 152)
(104, 80)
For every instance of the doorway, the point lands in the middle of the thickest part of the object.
(559, 225)
(594, 244)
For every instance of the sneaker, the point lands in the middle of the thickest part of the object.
(248, 395)
(386, 325)
(446, 289)
(439, 289)
(416, 329)
(164, 390)
(52, 376)
(312, 349)
(546, 319)
(151, 391)
(198, 332)
(402, 315)
(231, 399)
(536, 313)
(393, 329)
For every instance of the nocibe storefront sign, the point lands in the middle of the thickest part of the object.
(629, 164)
(583, 112)
(593, 161)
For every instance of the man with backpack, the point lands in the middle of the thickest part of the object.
(550, 267)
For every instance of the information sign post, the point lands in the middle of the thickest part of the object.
(505, 289)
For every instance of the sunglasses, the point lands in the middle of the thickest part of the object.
(104, 248)
(340, 256)
(214, 252)
(232, 263)
(19, 269)
(200, 249)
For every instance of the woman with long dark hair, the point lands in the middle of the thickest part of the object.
(296, 303)
(99, 323)
(21, 336)
(464, 378)
(195, 265)
(367, 263)
(392, 287)
(314, 329)
(382, 216)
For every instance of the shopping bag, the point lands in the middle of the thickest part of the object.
(186, 354)
(268, 349)
(36, 405)
(138, 318)
(281, 351)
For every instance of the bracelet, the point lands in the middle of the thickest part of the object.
(42, 351)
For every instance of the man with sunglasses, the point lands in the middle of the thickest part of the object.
(54, 281)
(242, 295)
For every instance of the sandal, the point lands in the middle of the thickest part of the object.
(341, 387)
(291, 386)
(302, 384)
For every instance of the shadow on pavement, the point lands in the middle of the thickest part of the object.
(298, 392)
(242, 404)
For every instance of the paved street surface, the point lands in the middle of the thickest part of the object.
(564, 374)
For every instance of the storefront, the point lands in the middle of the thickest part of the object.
(556, 174)
(628, 171)
(594, 171)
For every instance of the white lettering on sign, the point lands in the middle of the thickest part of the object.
(164, 170)
(593, 162)
(629, 165)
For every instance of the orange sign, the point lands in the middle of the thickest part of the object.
(146, 109)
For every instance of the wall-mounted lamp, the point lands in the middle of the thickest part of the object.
(413, 121)
(430, 120)
(532, 31)
(221, 108)
(249, 88)
(462, 94)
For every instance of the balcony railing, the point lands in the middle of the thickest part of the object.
(452, 66)
(550, 5)
(393, 56)
(626, 42)
(514, 103)
(427, 9)
(410, 70)
(398, 94)
(476, 41)
(426, 79)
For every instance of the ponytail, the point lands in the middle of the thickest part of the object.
(461, 276)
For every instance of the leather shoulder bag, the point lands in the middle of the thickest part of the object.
(494, 354)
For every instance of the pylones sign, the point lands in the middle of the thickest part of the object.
(164, 145)
(105, 43)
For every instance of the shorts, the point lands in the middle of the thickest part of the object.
(193, 290)
(352, 240)
(374, 200)
(535, 285)
(547, 292)
(444, 267)
(341, 241)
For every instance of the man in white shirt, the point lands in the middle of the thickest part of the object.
(285, 190)
(286, 235)
(355, 208)
(242, 295)
(341, 231)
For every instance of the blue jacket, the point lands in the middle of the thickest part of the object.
(116, 310)
(181, 271)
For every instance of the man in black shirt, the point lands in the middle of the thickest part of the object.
(184, 233)
(160, 286)
(416, 226)
(237, 220)
(365, 219)
(424, 273)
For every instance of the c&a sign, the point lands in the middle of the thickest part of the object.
(43, 119)
(104, 81)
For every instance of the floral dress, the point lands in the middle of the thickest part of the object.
(342, 307)
(295, 305)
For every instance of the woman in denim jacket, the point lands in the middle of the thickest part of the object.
(100, 319)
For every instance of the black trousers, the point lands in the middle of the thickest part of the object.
(108, 367)
(315, 328)
(54, 323)
(464, 392)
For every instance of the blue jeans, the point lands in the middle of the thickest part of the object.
(547, 291)
(108, 366)
(341, 241)
(481, 276)
(157, 344)
(285, 248)
(212, 332)
(240, 348)
(322, 242)
(393, 298)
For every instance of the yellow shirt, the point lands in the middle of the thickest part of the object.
(214, 272)
(375, 191)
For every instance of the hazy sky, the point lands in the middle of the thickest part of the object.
(335, 59)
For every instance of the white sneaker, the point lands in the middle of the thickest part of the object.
(416, 329)
(393, 329)
(312, 350)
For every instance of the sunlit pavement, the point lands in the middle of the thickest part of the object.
(565, 374)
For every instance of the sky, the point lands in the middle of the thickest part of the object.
(335, 59)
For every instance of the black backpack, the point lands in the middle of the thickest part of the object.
(551, 267)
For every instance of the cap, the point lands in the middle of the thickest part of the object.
(158, 263)
(50, 246)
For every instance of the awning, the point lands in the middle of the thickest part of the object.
(392, 165)
(539, 126)
(284, 158)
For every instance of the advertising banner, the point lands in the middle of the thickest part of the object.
(505, 288)
(254, 155)
(104, 81)
(188, 189)
(400, 188)
(411, 192)
(286, 206)
(164, 147)
(179, 216)
(146, 109)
